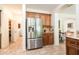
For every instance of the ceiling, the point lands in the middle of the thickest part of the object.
(44, 7)
(67, 8)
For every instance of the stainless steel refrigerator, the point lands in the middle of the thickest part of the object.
(34, 33)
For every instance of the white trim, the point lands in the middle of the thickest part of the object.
(23, 26)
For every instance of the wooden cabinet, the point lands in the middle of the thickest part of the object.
(78, 47)
(72, 46)
(48, 38)
(43, 19)
(71, 51)
(30, 14)
(46, 18)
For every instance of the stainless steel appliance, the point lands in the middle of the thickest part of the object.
(34, 33)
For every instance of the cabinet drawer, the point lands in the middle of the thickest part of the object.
(70, 42)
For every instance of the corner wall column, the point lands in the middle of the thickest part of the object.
(56, 29)
(23, 27)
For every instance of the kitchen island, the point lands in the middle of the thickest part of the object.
(72, 45)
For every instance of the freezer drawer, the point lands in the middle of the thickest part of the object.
(30, 44)
(34, 43)
(39, 43)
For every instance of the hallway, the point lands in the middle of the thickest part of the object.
(15, 49)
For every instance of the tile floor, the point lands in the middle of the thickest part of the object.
(15, 49)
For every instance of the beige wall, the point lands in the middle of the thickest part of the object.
(4, 30)
(9, 14)
(65, 19)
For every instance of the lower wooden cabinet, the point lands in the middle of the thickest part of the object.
(71, 51)
(48, 38)
(72, 47)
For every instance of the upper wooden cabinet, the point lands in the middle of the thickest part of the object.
(29, 14)
(43, 19)
(46, 18)
(32, 14)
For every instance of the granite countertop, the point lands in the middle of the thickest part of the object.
(72, 35)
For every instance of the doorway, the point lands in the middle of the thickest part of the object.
(10, 31)
(61, 33)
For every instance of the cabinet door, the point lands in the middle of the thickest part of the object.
(70, 42)
(77, 47)
(48, 19)
(71, 51)
(51, 39)
(30, 14)
(43, 19)
(78, 51)
(45, 39)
